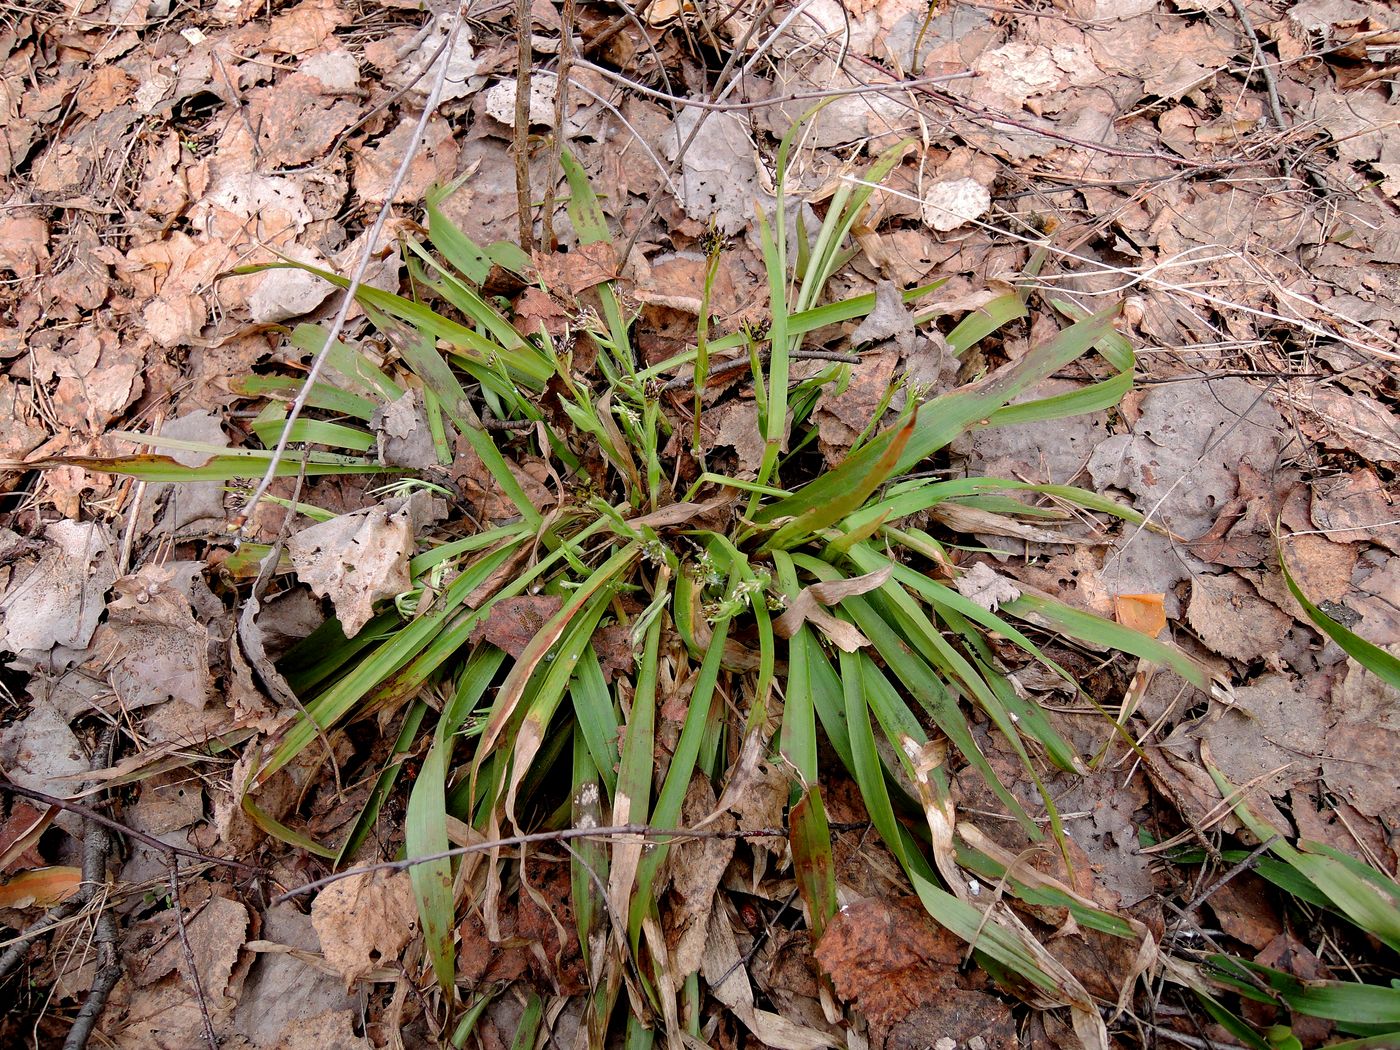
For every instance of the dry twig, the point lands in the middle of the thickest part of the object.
(188, 950)
(357, 279)
(91, 814)
(523, 58)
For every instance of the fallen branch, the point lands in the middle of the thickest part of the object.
(97, 842)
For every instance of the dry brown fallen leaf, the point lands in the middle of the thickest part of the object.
(1357, 507)
(289, 984)
(843, 415)
(901, 969)
(19, 836)
(1230, 617)
(40, 887)
(1186, 448)
(58, 598)
(24, 245)
(719, 175)
(155, 646)
(334, 1028)
(39, 751)
(545, 924)
(216, 930)
(1342, 419)
(356, 559)
(1243, 531)
(1141, 612)
(735, 425)
(574, 272)
(364, 921)
(677, 281)
(513, 622)
(433, 162)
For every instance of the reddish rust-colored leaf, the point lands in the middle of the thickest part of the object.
(513, 622)
(40, 887)
(1141, 612)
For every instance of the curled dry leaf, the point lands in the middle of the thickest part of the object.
(809, 607)
(735, 426)
(967, 518)
(19, 836)
(696, 867)
(890, 319)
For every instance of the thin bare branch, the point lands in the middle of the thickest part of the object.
(561, 118)
(88, 813)
(1261, 63)
(777, 100)
(209, 1038)
(347, 298)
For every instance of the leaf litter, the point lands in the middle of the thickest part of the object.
(219, 152)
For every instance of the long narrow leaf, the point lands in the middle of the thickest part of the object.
(812, 862)
(1382, 664)
(851, 487)
(425, 834)
(944, 418)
